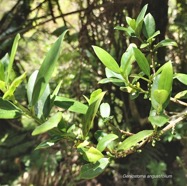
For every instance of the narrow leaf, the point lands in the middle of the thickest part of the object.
(46, 69)
(8, 110)
(51, 123)
(12, 56)
(141, 14)
(182, 94)
(142, 61)
(149, 26)
(10, 92)
(105, 141)
(164, 43)
(91, 170)
(181, 77)
(70, 104)
(106, 59)
(92, 155)
(133, 140)
(91, 113)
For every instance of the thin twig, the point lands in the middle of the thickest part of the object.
(178, 101)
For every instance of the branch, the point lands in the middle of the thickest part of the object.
(178, 101)
(174, 120)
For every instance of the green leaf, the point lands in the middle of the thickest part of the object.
(91, 112)
(12, 56)
(152, 38)
(158, 120)
(42, 107)
(131, 22)
(109, 73)
(46, 144)
(133, 140)
(92, 155)
(51, 123)
(181, 77)
(11, 89)
(128, 30)
(149, 26)
(105, 110)
(106, 59)
(141, 14)
(8, 110)
(2, 86)
(182, 94)
(165, 42)
(105, 141)
(91, 170)
(2, 71)
(126, 60)
(142, 61)
(117, 82)
(46, 69)
(161, 95)
(166, 77)
(70, 104)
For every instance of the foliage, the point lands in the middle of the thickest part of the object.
(45, 107)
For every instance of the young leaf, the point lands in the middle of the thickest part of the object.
(105, 141)
(91, 112)
(106, 59)
(42, 107)
(182, 94)
(51, 123)
(158, 120)
(70, 104)
(92, 155)
(91, 170)
(117, 82)
(149, 26)
(161, 95)
(165, 42)
(12, 56)
(128, 30)
(8, 110)
(181, 77)
(142, 61)
(141, 14)
(105, 110)
(166, 77)
(9, 93)
(133, 140)
(126, 60)
(46, 69)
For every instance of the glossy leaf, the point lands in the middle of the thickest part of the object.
(11, 89)
(70, 104)
(92, 155)
(117, 82)
(149, 26)
(161, 95)
(181, 77)
(42, 106)
(128, 30)
(164, 43)
(91, 112)
(126, 60)
(182, 94)
(106, 59)
(105, 110)
(166, 77)
(141, 14)
(46, 69)
(51, 123)
(131, 22)
(12, 56)
(8, 110)
(105, 141)
(158, 120)
(133, 140)
(91, 170)
(142, 61)
(2, 86)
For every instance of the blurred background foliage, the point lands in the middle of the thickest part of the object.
(90, 22)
